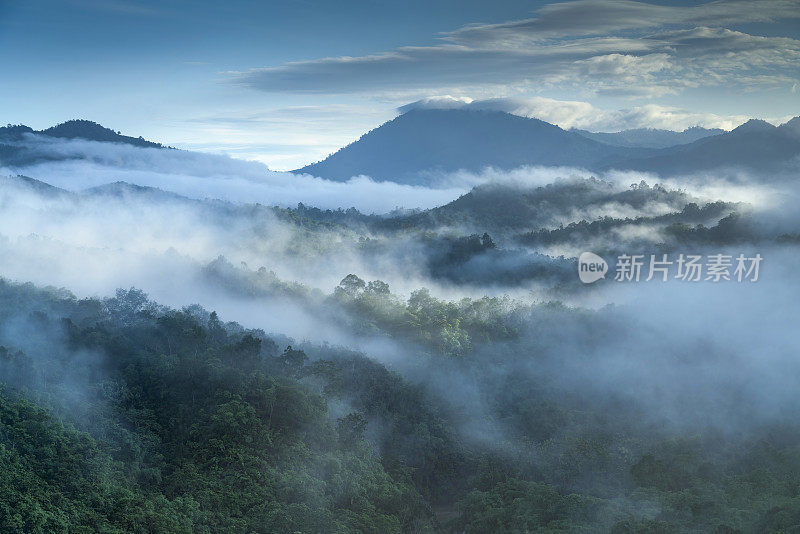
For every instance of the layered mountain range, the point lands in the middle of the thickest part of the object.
(422, 146)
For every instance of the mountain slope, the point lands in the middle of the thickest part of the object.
(22, 145)
(650, 137)
(75, 129)
(755, 145)
(83, 129)
(32, 185)
(498, 207)
(421, 143)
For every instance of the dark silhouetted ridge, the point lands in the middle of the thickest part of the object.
(755, 146)
(417, 145)
(651, 137)
(83, 129)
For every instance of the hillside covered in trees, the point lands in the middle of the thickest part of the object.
(121, 415)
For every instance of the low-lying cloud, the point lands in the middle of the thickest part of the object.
(78, 164)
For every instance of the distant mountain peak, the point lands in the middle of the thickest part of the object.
(32, 184)
(78, 129)
(15, 130)
(121, 189)
(92, 131)
(692, 129)
(754, 125)
(651, 137)
(792, 125)
(473, 112)
(421, 144)
(755, 146)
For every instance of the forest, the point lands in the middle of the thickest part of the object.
(452, 267)
(123, 415)
(240, 367)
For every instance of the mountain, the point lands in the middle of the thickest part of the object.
(792, 127)
(124, 190)
(755, 146)
(32, 185)
(650, 137)
(22, 145)
(502, 207)
(420, 143)
(121, 190)
(75, 129)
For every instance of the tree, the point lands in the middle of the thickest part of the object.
(293, 360)
(351, 429)
(352, 285)
(378, 287)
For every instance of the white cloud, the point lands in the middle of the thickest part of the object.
(583, 115)
(436, 102)
(285, 138)
(596, 17)
(571, 45)
(198, 175)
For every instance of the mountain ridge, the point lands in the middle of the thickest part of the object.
(76, 129)
(651, 137)
(420, 143)
(21, 145)
(755, 145)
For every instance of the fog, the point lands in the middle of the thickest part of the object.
(674, 356)
(77, 164)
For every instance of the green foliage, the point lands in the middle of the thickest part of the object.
(56, 479)
(193, 430)
(124, 416)
(446, 328)
(517, 506)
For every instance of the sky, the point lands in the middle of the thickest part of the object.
(287, 82)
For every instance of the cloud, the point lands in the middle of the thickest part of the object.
(287, 137)
(597, 17)
(575, 45)
(583, 115)
(719, 55)
(436, 66)
(95, 244)
(437, 102)
(81, 164)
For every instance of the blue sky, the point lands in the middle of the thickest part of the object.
(288, 82)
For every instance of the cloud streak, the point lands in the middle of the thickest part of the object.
(596, 17)
(588, 44)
